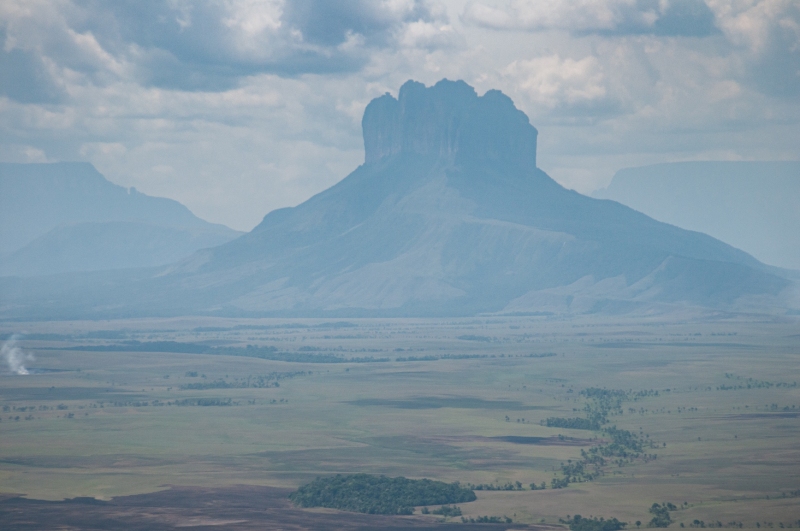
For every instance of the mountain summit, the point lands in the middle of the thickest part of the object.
(450, 121)
(448, 215)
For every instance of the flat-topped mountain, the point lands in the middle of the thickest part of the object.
(448, 215)
(450, 122)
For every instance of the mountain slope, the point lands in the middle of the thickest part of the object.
(67, 217)
(450, 214)
(754, 206)
(447, 216)
(94, 246)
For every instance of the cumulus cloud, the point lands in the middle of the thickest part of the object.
(211, 45)
(26, 78)
(658, 17)
(237, 107)
(201, 45)
(553, 82)
(767, 35)
(763, 36)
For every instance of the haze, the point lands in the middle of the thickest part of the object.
(398, 264)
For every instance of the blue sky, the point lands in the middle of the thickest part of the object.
(237, 107)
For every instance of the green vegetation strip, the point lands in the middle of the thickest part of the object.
(624, 446)
(251, 351)
(578, 523)
(365, 493)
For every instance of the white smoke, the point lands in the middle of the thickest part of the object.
(14, 356)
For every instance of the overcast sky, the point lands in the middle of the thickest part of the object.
(238, 107)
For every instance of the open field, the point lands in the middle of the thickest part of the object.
(715, 404)
(239, 508)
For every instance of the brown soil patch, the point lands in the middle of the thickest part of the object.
(237, 508)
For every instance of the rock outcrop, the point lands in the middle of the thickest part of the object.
(449, 121)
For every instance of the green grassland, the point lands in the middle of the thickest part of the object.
(715, 404)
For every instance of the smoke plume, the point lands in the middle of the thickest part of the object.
(14, 356)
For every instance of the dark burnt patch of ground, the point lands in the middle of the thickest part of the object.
(438, 402)
(543, 441)
(236, 508)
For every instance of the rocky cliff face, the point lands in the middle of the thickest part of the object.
(450, 121)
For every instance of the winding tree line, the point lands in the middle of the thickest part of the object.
(578, 523)
(496, 486)
(250, 351)
(624, 446)
(752, 383)
(660, 512)
(258, 382)
(303, 355)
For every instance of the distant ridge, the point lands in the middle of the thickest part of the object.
(66, 216)
(448, 216)
(754, 206)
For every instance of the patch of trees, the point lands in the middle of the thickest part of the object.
(132, 403)
(222, 384)
(487, 520)
(445, 510)
(601, 403)
(204, 402)
(661, 516)
(471, 337)
(23, 409)
(366, 493)
(624, 446)
(578, 523)
(559, 483)
(752, 383)
(623, 442)
(702, 525)
(257, 382)
(576, 423)
(496, 486)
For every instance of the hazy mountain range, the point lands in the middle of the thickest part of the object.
(62, 217)
(449, 215)
(754, 206)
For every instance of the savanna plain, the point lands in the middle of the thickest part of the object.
(544, 418)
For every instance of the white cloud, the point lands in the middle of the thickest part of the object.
(767, 36)
(574, 15)
(428, 35)
(553, 82)
(254, 16)
(661, 17)
(751, 23)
